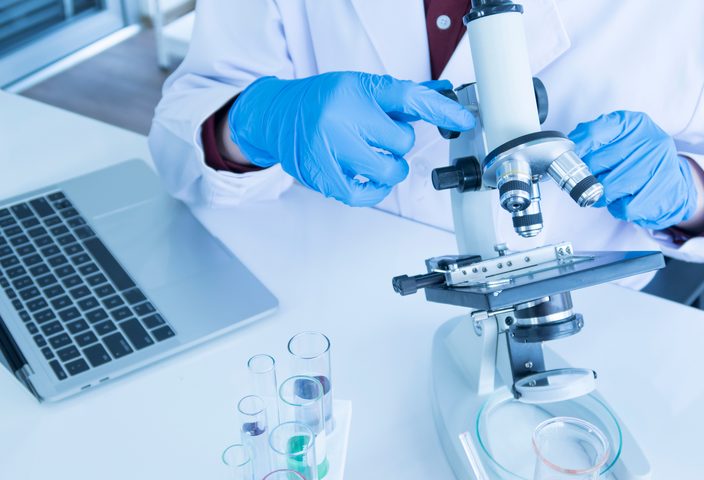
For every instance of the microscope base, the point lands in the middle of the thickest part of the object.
(457, 404)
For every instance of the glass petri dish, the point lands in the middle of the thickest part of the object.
(505, 426)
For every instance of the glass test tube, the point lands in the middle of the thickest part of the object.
(311, 356)
(293, 448)
(284, 475)
(302, 401)
(236, 458)
(570, 449)
(254, 430)
(262, 374)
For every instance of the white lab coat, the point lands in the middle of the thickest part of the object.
(594, 57)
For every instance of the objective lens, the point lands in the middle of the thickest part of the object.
(529, 222)
(513, 179)
(573, 177)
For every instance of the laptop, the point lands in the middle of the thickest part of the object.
(105, 274)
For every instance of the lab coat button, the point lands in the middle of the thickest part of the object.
(443, 22)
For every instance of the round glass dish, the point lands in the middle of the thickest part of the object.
(504, 427)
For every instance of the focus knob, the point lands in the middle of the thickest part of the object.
(465, 175)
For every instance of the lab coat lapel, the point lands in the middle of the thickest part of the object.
(396, 28)
(545, 33)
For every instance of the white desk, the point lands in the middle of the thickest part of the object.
(331, 268)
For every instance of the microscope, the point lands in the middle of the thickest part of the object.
(493, 380)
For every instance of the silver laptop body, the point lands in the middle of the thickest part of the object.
(169, 286)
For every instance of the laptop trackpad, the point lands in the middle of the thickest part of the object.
(160, 242)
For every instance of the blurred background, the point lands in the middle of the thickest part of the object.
(105, 59)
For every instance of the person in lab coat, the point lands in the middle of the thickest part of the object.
(324, 91)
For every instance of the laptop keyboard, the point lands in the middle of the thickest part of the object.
(81, 307)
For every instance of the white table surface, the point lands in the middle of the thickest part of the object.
(331, 268)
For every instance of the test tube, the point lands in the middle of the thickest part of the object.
(301, 400)
(262, 373)
(311, 356)
(254, 430)
(285, 475)
(236, 458)
(293, 447)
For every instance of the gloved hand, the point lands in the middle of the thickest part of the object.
(330, 129)
(645, 181)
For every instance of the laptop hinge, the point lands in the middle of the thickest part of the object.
(16, 360)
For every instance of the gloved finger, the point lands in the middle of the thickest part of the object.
(354, 193)
(379, 167)
(395, 137)
(438, 85)
(605, 130)
(418, 102)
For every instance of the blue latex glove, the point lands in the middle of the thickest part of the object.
(329, 130)
(645, 181)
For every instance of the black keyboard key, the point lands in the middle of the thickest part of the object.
(96, 279)
(36, 304)
(117, 345)
(48, 353)
(9, 262)
(54, 291)
(39, 340)
(58, 370)
(30, 222)
(88, 268)
(11, 293)
(36, 232)
(136, 333)
(32, 328)
(4, 283)
(16, 303)
(64, 203)
(6, 250)
(96, 315)
(56, 196)
(15, 272)
(72, 281)
(80, 292)
(4, 212)
(96, 355)
(80, 259)
(73, 249)
(24, 316)
(13, 230)
(29, 293)
(39, 270)
(31, 260)
(50, 251)
(85, 338)
(144, 309)
(19, 240)
(3, 241)
(112, 302)
(77, 327)
(76, 222)
(52, 328)
(84, 232)
(61, 302)
(43, 241)
(59, 230)
(65, 270)
(57, 261)
(163, 333)
(134, 296)
(69, 212)
(104, 290)
(26, 250)
(77, 366)
(42, 207)
(44, 316)
(121, 313)
(21, 210)
(68, 353)
(66, 239)
(69, 314)
(22, 282)
(60, 341)
(105, 327)
(52, 221)
(7, 222)
(110, 266)
(88, 304)
(46, 280)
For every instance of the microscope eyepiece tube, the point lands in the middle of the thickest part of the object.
(574, 178)
(513, 179)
